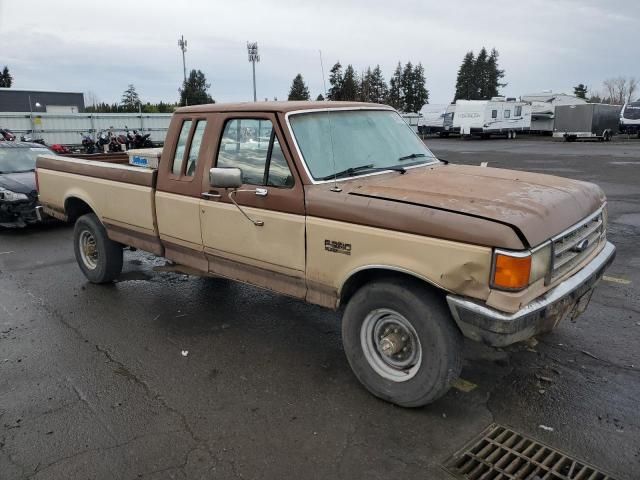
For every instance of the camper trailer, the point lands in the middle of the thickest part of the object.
(498, 116)
(543, 108)
(630, 118)
(412, 119)
(432, 120)
(437, 119)
(588, 121)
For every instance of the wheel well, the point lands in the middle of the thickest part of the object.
(75, 208)
(359, 279)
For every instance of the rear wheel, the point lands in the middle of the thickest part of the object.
(401, 342)
(99, 257)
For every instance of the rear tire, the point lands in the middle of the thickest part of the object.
(401, 341)
(99, 257)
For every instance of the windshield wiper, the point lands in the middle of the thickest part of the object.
(25, 171)
(413, 155)
(351, 171)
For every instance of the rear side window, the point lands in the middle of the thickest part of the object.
(252, 146)
(518, 112)
(182, 144)
(194, 148)
(494, 113)
(507, 114)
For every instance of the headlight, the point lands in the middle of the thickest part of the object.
(9, 196)
(516, 270)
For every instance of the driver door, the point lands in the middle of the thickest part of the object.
(271, 255)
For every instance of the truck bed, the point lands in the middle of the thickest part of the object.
(122, 195)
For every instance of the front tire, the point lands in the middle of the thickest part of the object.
(99, 257)
(401, 342)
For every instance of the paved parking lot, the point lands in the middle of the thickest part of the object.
(165, 376)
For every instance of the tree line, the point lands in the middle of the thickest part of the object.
(406, 90)
(615, 91)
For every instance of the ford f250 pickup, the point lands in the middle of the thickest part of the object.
(343, 206)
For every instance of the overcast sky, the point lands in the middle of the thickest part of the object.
(103, 46)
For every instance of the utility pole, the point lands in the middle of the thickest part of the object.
(182, 43)
(252, 50)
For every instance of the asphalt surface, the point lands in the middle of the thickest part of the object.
(166, 376)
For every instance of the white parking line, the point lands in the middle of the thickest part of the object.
(622, 281)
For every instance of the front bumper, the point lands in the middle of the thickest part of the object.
(18, 214)
(568, 299)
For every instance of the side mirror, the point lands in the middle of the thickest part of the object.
(225, 177)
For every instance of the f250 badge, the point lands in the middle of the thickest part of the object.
(337, 247)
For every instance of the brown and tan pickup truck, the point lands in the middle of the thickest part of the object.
(342, 205)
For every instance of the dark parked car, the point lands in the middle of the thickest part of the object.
(18, 192)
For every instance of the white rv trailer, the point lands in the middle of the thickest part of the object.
(630, 118)
(543, 108)
(498, 116)
(412, 119)
(437, 119)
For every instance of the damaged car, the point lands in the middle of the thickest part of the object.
(18, 190)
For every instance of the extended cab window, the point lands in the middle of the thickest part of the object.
(182, 144)
(252, 146)
(194, 148)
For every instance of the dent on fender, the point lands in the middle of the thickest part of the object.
(468, 279)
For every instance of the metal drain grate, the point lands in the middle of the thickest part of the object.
(502, 454)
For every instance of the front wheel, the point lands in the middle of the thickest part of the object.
(99, 257)
(401, 342)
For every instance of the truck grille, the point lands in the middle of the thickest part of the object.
(577, 243)
(500, 453)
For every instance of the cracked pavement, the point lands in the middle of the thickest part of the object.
(93, 382)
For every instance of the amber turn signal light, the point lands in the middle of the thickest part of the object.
(511, 273)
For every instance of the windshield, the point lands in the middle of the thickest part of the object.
(361, 138)
(632, 111)
(19, 159)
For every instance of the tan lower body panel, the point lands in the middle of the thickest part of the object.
(179, 218)
(124, 203)
(336, 250)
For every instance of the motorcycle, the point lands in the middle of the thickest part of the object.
(59, 149)
(7, 135)
(88, 144)
(142, 141)
(104, 138)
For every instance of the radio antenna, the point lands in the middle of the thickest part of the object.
(335, 187)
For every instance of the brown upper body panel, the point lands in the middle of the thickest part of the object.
(485, 206)
(99, 169)
(271, 107)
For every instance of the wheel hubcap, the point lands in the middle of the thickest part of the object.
(391, 345)
(88, 249)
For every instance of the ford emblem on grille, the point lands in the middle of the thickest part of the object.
(581, 247)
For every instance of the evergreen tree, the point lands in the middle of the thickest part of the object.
(335, 80)
(365, 86)
(492, 78)
(350, 87)
(395, 97)
(320, 98)
(482, 75)
(299, 90)
(6, 80)
(407, 85)
(194, 90)
(130, 99)
(419, 88)
(378, 87)
(466, 87)
(580, 90)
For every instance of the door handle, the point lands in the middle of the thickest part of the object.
(211, 195)
(261, 192)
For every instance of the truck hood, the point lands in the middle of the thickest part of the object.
(535, 206)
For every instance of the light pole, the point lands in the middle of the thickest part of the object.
(252, 50)
(182, 43)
